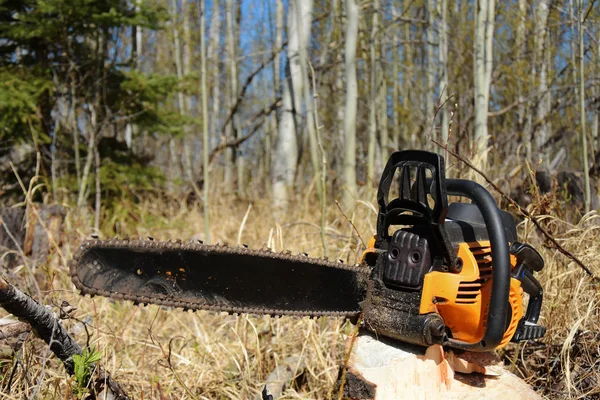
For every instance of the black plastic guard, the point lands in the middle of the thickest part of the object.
(412, 206)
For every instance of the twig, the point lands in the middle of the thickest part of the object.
(167, 357)
(337, 203)
(521, 210)
(347, 358)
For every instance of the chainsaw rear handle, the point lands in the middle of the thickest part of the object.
(501, 268)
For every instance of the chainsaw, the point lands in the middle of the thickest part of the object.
(434, 273)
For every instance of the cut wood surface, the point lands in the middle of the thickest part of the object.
(385, 370)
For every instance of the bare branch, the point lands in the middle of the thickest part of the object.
(521, 210)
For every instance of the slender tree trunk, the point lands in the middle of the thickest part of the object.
(75, 130)
(304, 16)
(349, 162)
(522, 111)
(407, 79)
(212, 58)
(382, 120)
(431, 67)
(540, 39)
(443, 87)
(484, 30)
(180, 96)
(187, 66)
(596, 93)
(584, 147)
(286, 149)
(91, 148)
(373, 97)
(205, 142)
(278, 44)
(98, 205)
(397, 127)
(232, 95)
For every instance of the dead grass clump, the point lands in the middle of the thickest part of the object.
(564, 364)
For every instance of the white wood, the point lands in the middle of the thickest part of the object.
(401, 371)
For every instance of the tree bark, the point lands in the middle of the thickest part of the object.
(43, 321)
(443, 86)
(181, 101)
(214, 39)
(205, 117)
(522, 112)
(349, 145)
(231, 98)
(285, 159)
(584, 147)
(483, 60)
(373, 97)
(431, 67)
(541, 70)
(304, 16)
(397, 124)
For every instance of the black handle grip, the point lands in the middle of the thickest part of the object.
(501, 268)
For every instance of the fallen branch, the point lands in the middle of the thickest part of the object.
(521, 210)
(49, 329)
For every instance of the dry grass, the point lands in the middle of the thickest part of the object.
(163, 354)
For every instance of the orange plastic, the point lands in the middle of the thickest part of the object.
(369, 250)
(463, 299)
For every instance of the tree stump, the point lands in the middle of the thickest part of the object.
(29, 233)
(380, 369)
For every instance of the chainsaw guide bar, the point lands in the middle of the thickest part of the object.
(195, 276)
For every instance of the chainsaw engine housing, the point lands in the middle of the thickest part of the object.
(447, 274)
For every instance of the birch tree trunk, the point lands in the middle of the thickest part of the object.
(543, 98)
(187, 66)
(286, 149)
(396, 85)
(304, 16)
(214, 39)
(431, 67)
(205, 141)
(278, 44)
(181, 98)
(584, 147)
(595, 93)
(443, 87)
(231, 98)
(484, 31)
(373, 97)
(409, 133)
(522, 111)
(383, 116)
(349, 149)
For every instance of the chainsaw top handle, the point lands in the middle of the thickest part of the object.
(501, 268)
(425, 202)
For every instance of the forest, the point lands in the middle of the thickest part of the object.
(269, 123)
